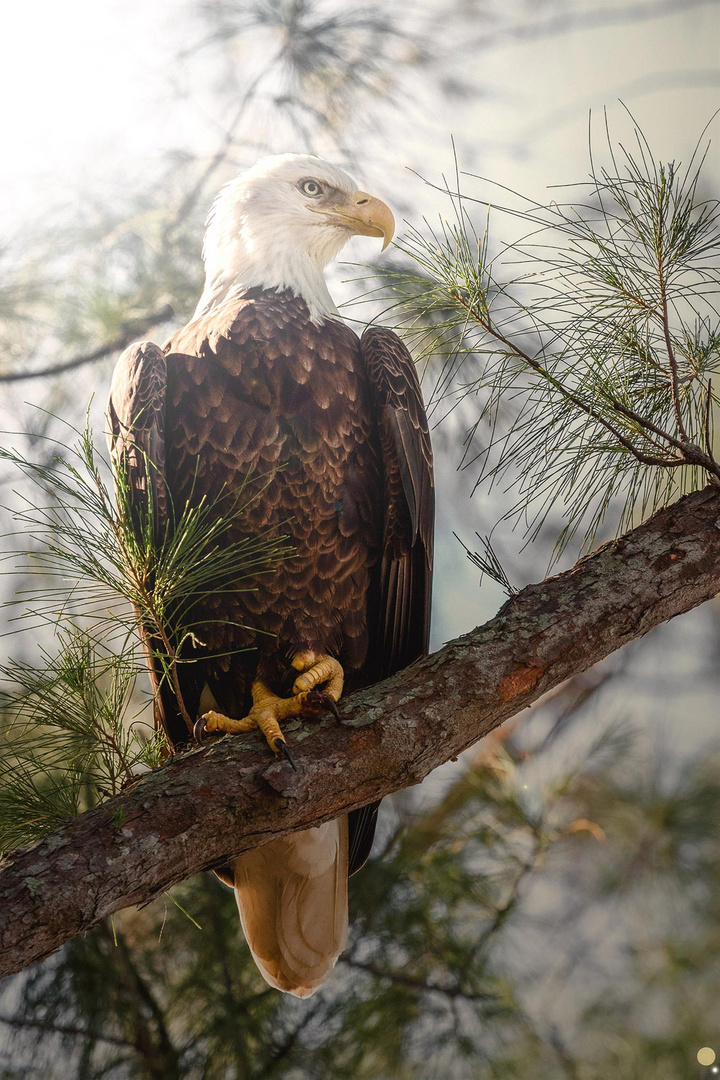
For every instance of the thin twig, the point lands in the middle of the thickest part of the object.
(139, 581)
(502, 913)
(690, 453)
(646, 459)
(693, 454)
(221, 153)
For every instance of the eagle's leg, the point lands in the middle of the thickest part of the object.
(266, 713)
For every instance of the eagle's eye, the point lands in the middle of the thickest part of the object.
(311, 187)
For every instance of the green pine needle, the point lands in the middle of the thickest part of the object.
(586, 352)
(68, 739)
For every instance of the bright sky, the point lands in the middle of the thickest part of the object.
(75, 80)
(86, 82)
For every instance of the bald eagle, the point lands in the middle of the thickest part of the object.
(268, 390)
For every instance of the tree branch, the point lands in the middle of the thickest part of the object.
(51, 1028)
(563, 23)
(205, 806)
(690, 454)
(415, 983)
(130, 333)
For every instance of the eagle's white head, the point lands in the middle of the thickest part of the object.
(280, 223)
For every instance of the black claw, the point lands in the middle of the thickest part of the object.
(199, 730)
(314, 701)
(331, 704)
(282, 748)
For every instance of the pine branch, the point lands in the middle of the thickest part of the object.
(415, 983)
(118, 576)
(134, 329)
(583, 352)
(206, 806)
(53, 1028)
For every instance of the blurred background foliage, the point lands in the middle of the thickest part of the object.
(546, 906)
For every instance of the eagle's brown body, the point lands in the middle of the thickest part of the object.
(327, 435)
(257, 392)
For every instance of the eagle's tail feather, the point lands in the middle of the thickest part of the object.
(292, 898)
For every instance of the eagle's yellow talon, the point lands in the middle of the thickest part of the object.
(266, 713)
(304, 660)
(318, 668)
(266, 717)
(215, 721)
(268, 709)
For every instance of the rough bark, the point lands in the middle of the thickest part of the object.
(208, 805)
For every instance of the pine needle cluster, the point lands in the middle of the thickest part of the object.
(102, 576)
(589, 346)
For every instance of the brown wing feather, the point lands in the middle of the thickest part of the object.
(409, 502)
(405, 570)
(136, 436)
(136, 414)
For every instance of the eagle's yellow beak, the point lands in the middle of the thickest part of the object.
(365, 215)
